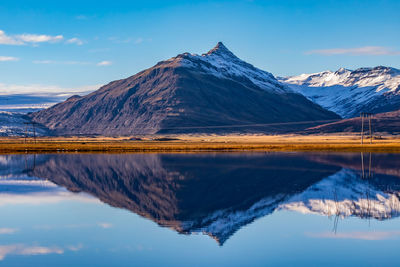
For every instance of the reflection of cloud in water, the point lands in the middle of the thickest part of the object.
(22, 249)
(7, 231)
(105, 225)
(34, 191)
(382, 235)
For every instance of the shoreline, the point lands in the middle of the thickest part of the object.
(200, 143)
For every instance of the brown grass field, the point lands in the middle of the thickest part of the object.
(201, 143)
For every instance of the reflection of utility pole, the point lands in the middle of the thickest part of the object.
(367, 116)
(363, 171)
(337, 213)
(28, 166)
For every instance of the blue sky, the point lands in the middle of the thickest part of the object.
(75, 45)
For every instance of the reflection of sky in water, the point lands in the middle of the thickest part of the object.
(45, 224)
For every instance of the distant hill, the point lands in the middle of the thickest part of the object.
(349, 92)
(213, 92)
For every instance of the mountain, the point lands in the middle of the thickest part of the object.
(211, 92)
(348, 92)
(387, 122)
(13, 124)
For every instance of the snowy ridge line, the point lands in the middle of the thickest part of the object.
(348, 92)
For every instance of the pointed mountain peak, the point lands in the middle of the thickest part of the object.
(219, 49)
(342, 71)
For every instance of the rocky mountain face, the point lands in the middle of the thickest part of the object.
(212, 92)
(349, 92)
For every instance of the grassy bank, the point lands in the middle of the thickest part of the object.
(198, 143)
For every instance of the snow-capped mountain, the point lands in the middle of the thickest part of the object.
(187, 93)
(349, 92)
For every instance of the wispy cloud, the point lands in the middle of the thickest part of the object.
(38, 38)
(75, 40)
(104, 63)
(2, 59)
(357, 235)
(8, 231)
(358, 51)
(23, 39)
(68, 62)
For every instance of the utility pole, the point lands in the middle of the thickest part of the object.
(367, 116)
(370, 129)
(34, 131)
(362, 127)
(26, 131)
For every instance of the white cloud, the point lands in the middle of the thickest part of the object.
(358, 51)
(70, 62)
(38, 89)
(7, 231)
(8, 40)
(43, 62)
(21, 249)
(22, 39)
(2, 59)
(75, 40)
(104, 63)
(36, 38)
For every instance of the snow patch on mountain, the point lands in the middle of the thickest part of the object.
(348, 92)
(222, 63)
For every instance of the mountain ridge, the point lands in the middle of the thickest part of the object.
(349, 92)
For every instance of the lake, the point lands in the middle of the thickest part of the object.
(208, 209)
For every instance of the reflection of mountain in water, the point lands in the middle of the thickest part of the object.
(219, 193)
(345, 194)
(216, 194)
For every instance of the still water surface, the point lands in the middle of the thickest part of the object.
(236, 209)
